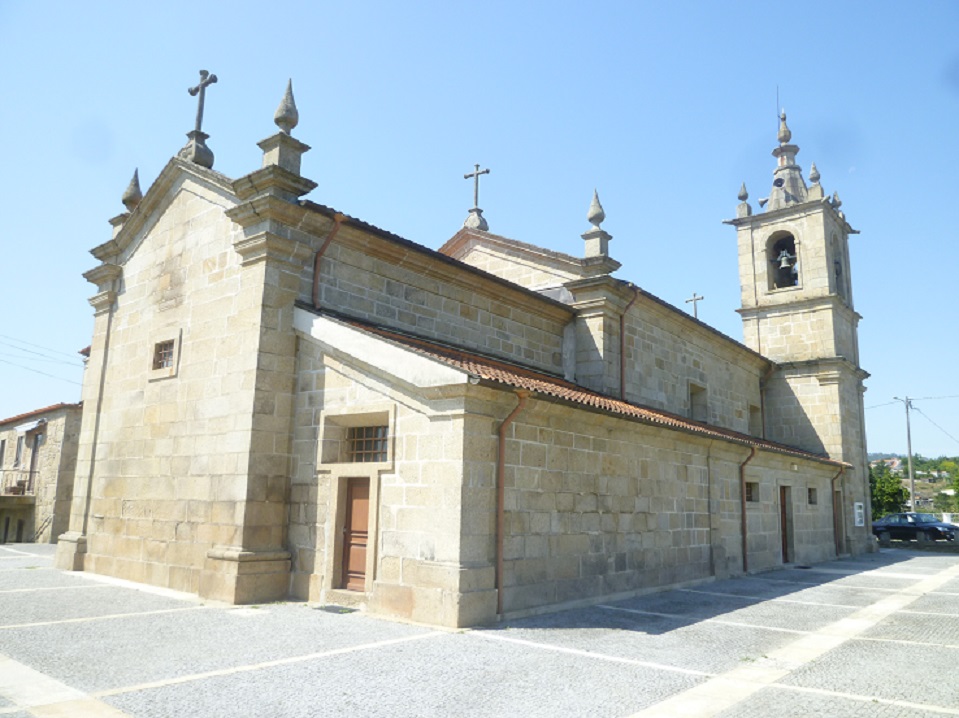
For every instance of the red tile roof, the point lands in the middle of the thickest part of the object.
(500, 372)
(53, 407)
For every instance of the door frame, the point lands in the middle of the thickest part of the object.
(786, 523)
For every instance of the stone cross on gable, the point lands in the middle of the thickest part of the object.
(476, 175)
(695, 299)
(205, 79)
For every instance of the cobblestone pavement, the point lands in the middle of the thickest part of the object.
(871, 636)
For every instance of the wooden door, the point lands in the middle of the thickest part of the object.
(356, 529)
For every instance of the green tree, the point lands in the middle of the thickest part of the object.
(888, 493)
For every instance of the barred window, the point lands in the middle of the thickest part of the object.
(367, 443)
(752, 491)
(163, 355)
(813, 498)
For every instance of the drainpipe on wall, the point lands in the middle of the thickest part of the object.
(337, 221)
(622, 343)
(501, 495)
(742, 504)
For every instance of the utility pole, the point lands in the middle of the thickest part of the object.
(912, 480)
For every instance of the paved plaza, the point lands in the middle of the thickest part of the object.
(871, 636)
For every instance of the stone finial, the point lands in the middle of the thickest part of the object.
(476, 220)
(743, 210)
(596, 216)
(287, 117)
(132, 194)
(784, 134)
(836, 202)
(813, 174)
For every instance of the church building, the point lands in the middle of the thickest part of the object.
(283, 401)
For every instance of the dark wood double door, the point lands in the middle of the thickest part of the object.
(356, 534)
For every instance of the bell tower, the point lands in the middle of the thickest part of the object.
(797, 310)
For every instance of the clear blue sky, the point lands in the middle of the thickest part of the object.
(665, 108)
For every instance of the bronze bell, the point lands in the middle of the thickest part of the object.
(785, 259)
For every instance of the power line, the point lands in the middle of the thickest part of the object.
(919, 411)
(37, 371)
(888, 403)
(37, 346)
(39, 356)
(933, 398)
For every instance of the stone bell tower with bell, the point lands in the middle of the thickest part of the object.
(797, 310)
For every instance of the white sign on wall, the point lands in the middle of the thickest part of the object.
(860, 513)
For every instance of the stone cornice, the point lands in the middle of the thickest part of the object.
(273, 180)
(103, 275)
(268, 246)
(828, 370)
(102, 302)
(787, 306)
(266, 207)
(806, 208)
(106, 251)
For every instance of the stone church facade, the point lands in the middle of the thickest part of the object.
(283, 401)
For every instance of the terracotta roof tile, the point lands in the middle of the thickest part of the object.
(497, 371)
(52, 407)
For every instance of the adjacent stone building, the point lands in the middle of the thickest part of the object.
(38, 452)
(284, 401)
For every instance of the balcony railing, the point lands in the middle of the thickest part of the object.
(17, 482)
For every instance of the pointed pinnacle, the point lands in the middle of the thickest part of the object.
(596, 216)
(813, 174)
(743, 194)
(836, 202)
(132, 194)
(784, 134)
(287, 117)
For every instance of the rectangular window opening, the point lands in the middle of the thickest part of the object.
(367, 443)
(813, 497)
(752, 491)
(697, 403)
(163, 354)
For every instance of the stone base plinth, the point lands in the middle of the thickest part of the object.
(234, 575)
(71, 551)
(443, 595)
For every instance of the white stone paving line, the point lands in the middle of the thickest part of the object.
(944, 710)
(490, 636)
(74, 587)
(106, 617)
(765, 599)
(22, 553)
(46, 697)
(724, 691)
(266, 664)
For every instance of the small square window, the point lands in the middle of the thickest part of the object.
(163, 355)
(367, 443)
(813, 497)
(752, 491)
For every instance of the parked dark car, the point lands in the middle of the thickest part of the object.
(913, 526)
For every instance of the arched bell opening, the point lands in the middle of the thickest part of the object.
(783, 261)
